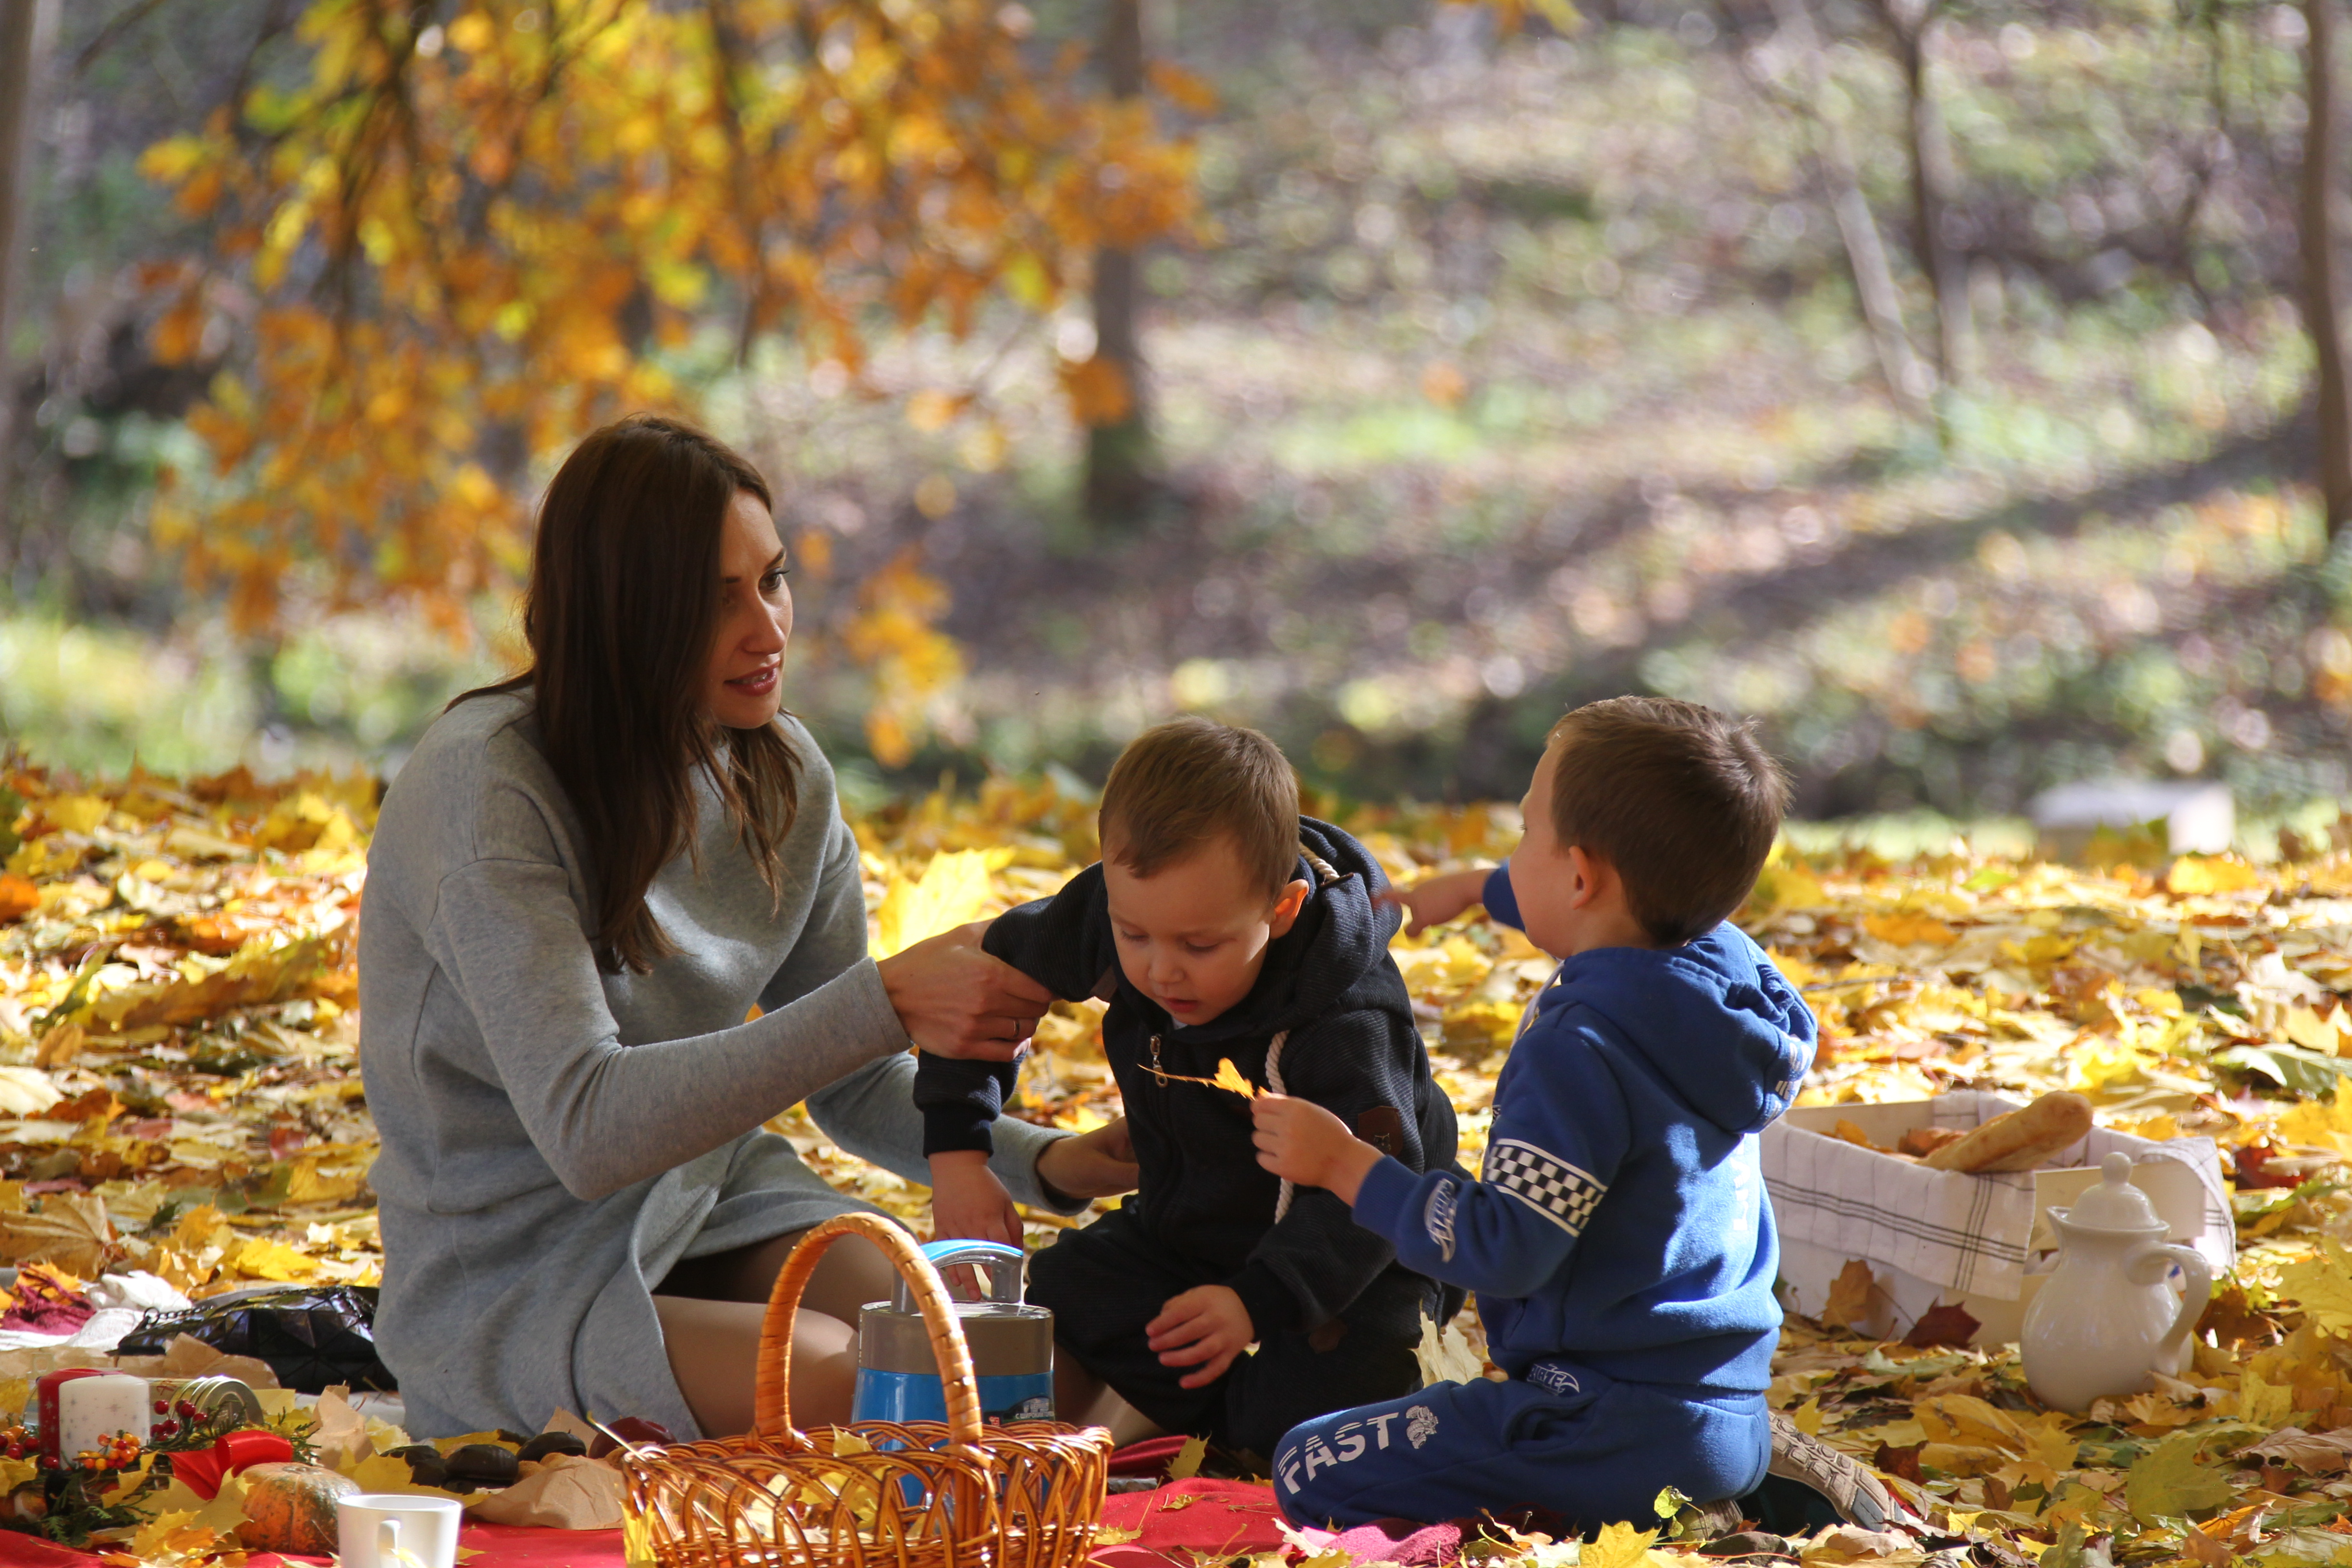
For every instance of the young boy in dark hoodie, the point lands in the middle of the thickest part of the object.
(1619, 1239)
(1221, 925)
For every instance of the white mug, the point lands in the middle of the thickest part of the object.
(392, 1530)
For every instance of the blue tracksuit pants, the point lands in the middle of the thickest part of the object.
(1567, 1440)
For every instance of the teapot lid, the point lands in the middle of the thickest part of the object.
(2115, 1204)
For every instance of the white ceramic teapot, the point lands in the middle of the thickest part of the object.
(2105, 1320)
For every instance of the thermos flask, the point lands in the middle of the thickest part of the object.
(1011, 1344)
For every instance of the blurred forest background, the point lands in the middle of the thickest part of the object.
(1935, 379)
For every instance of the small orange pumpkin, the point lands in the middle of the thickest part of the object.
(291, 1507)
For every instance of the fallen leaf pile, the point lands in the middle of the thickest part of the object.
(178, 1092)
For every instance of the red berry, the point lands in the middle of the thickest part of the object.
(48, 1461)
(163, 1407)
(187, 1409)
(167, 1428)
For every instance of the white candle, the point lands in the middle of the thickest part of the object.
(92, 1409)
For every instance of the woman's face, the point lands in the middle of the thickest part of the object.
(743, 687)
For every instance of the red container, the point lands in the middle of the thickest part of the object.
(45, 1397)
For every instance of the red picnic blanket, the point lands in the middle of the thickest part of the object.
(1228, 1518)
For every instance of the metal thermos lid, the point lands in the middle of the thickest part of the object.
(1005, 1340)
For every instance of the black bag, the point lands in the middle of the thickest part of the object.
(313, 1336)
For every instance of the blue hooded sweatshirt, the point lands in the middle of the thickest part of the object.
(1620, 1221)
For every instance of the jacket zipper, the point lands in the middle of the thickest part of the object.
(1155, 1062)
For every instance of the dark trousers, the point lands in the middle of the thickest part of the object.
(1589, 1449)
(1104, 1282)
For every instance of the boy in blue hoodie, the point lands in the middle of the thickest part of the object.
(1617, 1238)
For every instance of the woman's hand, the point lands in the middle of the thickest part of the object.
(1436, 899)
(1300, 1142)
(1094, 1164)
(956, 1001)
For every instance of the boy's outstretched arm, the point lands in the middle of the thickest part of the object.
(1433, 900)
(1547, 1166)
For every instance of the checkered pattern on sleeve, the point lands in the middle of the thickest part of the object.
(1546, 1184)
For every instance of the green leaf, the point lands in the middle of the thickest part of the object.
(2289, 1066)
(2167, 1481)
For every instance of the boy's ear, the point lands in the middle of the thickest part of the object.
(1287, 905)
(1586, 872)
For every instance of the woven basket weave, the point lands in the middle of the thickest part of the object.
(879, 1494)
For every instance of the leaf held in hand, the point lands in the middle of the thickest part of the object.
(1230, 1076)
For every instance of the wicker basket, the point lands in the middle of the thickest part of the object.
(877, 1495)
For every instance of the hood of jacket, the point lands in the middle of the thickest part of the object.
(1334, 956)
(1712, 1017)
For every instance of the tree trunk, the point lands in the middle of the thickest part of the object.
(23, 40)
(2323, 280)
(1121, 460)
(1909, 380)
(1933, 180)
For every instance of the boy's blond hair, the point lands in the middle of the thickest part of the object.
(1180, 784)
(1683, 801)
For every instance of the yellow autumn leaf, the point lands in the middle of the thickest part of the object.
(1905, 928)
(265, 1259)
(1230, 1076)
(2194, 874)
(1617, 1546)
(75, 813)
(953, 891)
(2322, 1285)
(1188, 1461)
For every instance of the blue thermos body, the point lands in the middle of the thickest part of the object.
(1011, 1344)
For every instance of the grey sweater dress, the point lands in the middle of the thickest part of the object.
(555, 1138)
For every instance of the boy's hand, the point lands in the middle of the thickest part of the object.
(1300, 1142)
(1206, 1327)
(1435, 899)
(969, 1202)
(1093, 1164)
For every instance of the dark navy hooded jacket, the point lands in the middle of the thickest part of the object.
(1620, 1221)
(1352, 1048)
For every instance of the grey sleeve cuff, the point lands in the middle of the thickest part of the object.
(1018, 1144)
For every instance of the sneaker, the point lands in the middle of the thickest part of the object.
(1845, 1483)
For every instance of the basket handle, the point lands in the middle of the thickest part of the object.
(771, 1394)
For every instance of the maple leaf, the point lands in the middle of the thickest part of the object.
(2167, 1482)
(1187, 1463)
(1945, 1323)
(1444, 1354)
(1230, 1076)
(2323, 1285)
(1850, 1293)
(953, 891)
(1617, 1546)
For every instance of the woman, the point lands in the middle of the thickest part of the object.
(582, 883)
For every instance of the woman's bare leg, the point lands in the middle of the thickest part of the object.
(714, 1354)
(1084, 1400)
(852, 1272)
(712, 1309)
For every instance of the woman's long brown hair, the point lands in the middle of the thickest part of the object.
(621, 615)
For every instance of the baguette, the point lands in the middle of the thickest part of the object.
(2019, 1141)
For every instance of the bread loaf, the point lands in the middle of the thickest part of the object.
(2019, 1141)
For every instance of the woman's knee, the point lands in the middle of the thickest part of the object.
(714, 1348)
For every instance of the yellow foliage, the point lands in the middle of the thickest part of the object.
(953, 891)
(525, 214)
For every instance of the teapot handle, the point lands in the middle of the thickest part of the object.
(2196, 1291)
